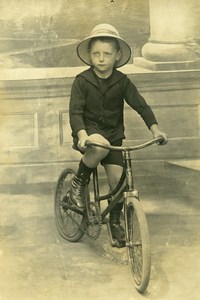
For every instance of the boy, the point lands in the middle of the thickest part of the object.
(96, 112)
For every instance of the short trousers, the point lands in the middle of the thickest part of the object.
(113, 157)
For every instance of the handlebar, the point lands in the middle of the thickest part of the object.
(158, 140)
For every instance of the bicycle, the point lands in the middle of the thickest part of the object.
(73, 222)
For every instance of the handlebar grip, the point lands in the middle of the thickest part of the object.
(160, 140)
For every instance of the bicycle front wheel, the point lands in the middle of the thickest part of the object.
(69, 220)
(138, 244)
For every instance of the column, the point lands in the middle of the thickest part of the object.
(174, 41)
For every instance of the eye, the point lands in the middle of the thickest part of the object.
(95, 53)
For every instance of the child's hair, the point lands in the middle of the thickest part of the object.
(104, 39)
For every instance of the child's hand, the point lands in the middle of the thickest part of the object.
(157, 133)
(161, 135)
(83, 137)
(82, 144)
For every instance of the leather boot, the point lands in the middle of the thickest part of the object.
(77, 192)
(117, 230)
(78, 184)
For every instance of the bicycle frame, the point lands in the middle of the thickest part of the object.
(73, 222)
(116, 194)
(127, 175)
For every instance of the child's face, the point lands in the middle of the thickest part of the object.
(103, 56)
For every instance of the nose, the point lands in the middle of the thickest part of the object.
(101, 57)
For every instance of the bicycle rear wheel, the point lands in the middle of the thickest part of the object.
(69, 219)
(138, 244)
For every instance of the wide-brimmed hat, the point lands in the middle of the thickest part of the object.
(104, 30)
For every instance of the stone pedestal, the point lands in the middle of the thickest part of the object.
(174, 43)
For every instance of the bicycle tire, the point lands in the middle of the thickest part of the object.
(138, 244)
(70, 223)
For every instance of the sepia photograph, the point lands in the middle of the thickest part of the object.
(100, 149)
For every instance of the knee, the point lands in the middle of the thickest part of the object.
(100, 152)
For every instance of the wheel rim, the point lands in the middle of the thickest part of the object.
(135, 246)
(68, 221)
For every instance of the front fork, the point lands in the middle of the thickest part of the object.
(129, 194)
(115, 243)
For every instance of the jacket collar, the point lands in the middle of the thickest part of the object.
(90, 76)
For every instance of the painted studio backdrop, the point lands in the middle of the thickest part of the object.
(38, 63)
(45, 33)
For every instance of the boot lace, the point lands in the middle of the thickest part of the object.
(79, 185)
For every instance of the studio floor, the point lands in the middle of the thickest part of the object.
(36, 263)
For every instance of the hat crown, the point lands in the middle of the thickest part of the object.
(104, 29)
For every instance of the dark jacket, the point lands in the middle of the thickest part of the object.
(97, 105)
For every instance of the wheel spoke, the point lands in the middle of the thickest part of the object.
(94, 220)
(73, 219)
(69, 219)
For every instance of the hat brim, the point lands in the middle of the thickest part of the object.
(83, 53)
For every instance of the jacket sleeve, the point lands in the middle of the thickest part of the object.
(134, 99)
(76, 105)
